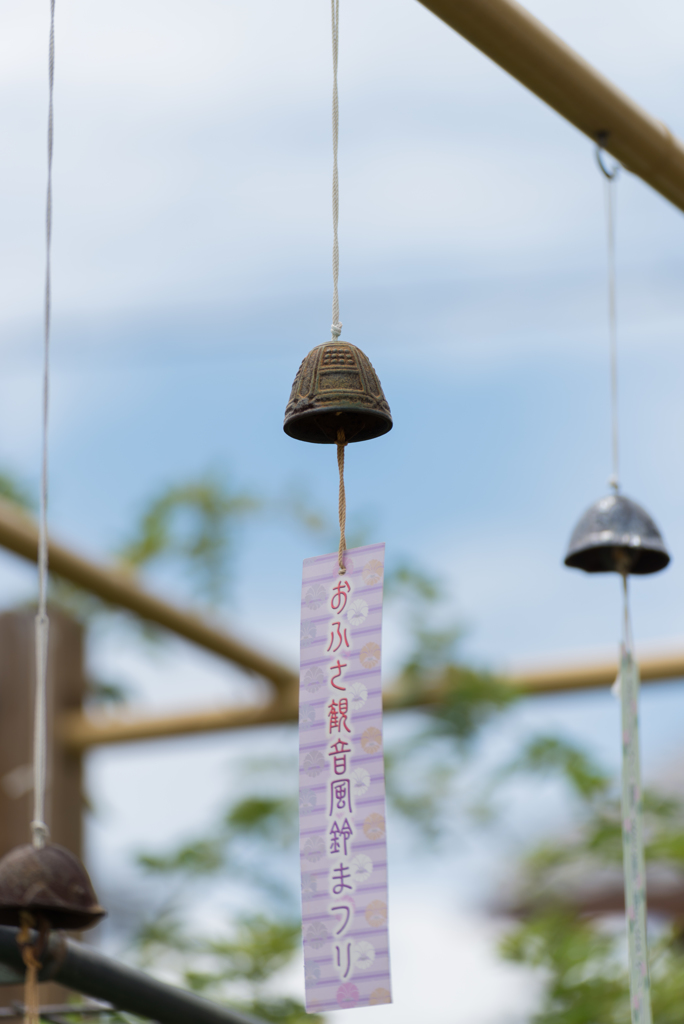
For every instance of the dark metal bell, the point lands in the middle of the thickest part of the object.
(336, 387)
(617, 535)
(50, 883)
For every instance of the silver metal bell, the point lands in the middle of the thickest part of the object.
(617, 535)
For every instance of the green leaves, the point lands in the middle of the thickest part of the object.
(260, 947)
(470, 699)
(269, 818)
(585, 973)
(586, 982)
(192, 524)
(236, 967)
(549, 755)
(583, 960)
(200, 858)
(13, 489)
(240, 962)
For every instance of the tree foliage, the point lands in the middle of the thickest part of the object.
(241, 961)
(583, 957)
(192, 525)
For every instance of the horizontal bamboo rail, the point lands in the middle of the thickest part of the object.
(543, 63)
(596, 674)
(19, 533)
(79, 732)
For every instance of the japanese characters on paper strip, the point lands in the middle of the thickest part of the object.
(342, 783)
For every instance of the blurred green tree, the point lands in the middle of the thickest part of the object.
(191, 524)
(241, 963)
(582, 955)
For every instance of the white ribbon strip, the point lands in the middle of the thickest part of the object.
(633, 843)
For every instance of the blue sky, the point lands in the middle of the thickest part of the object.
(192, 274)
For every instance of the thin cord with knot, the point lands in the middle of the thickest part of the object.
(39, 829)
(30, 954)
(342, 503)
(609, 177)
(336, 329)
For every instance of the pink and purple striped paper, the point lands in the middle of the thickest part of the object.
(342, 783)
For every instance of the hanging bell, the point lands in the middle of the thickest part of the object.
(50, 883)
(336, 387)
(617, 535)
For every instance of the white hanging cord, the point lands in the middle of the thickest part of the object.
(336, 328)
(609, 176)
(634, 864)
(39, 829)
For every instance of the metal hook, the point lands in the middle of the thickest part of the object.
(602, 138)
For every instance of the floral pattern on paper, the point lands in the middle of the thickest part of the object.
(361, 868)
(309, 884)
(307, 633)
(360, 781)
(363, 954)
(379, 996)
(369, 655)
(358, 695)
(314, 763)
(313, 679)
(315, 596)
(371, 740)
(372, 572)
(357, 613)
(374, 827)
(312, 971)
(348, 996)
(307, 714)
(376, 913)
(307, 799)
(314, 848)
(316, 935)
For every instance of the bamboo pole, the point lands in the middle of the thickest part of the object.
(653, 668)
(78, 731)
(543, 63)
(19, 533)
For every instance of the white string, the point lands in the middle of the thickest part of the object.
(609, 177)
(39, 829)
(336, 328)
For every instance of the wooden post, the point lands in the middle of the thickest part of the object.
(66, 687)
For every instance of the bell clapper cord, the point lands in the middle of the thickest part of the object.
(609, 176)
(30, 953)
(336, 329)
(342, 504)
